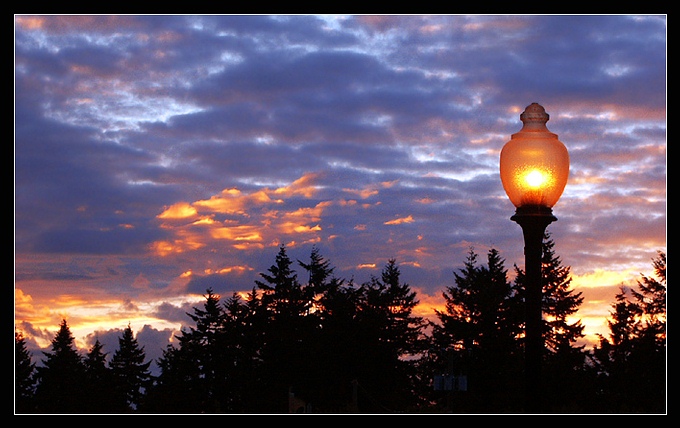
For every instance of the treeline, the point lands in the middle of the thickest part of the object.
(318, 343)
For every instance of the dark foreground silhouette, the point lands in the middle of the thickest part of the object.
(331, 346)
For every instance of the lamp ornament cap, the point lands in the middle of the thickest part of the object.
(534, 113)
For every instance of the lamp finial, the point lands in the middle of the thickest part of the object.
(534, 113)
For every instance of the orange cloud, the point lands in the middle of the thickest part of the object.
(601, 278)
(256, 221)
(232, 201)
(229, 269)
(164, 248)
(402, 220)
(362, 193)
(237, 233)
(366, 266)
(178, 211)
(302, 186)
(30, 22)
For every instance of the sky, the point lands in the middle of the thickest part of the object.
(158, 156)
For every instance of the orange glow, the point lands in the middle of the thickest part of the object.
(178, 211)
(402, 220)
(164, 248)
(248, 246)
(302, 186)
(362, 193)
(236, 233)
(535, 179)
(231, 201)
(30, 22)
(306, 229)
(599, 278)
(204, 220)
(230, 269)
(366, 266)
(534, 164)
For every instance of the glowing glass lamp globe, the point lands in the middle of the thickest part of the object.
(534, 164)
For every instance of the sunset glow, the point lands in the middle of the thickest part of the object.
(159, 156)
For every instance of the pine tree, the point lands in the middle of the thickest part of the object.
(62, 376)
(98, 381)
(173, 391)
(130, 373)
(631, 362)
(652, 300)
(389, 338)
(477, 334)
(319, 270)
(242, 339)
(283, 294)
(339, 344)
(286, 332)
(205, 346)
(24, 376)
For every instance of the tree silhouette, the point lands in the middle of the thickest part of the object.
(330, 346)
(477, 335)
(652, 300)
(24, 376)
(131, 374)
(287, 332)
(388, 333)
(242, 343)
(62, 376)
(174, 390)
(320, 271)
(631, 363)
(99, 382)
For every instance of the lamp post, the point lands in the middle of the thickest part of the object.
(534, 168)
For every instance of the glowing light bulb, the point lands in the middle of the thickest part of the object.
(534, 164)
(535, 179)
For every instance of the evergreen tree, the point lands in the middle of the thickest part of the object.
(62, 376)
(390, 337)
(339, 347)
(98, 381)
(174, 390)
(205, 344)
(130, 373)
(242, 344)
(202, 364)
(287, 332)
(320, 271)
(477, 335)
(283, 295)
(652, 300)
(631, 363)
(24, 376)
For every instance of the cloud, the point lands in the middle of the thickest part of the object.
(400, 220)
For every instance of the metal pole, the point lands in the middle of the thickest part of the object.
(533, 220)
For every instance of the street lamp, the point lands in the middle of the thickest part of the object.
(534, 169)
